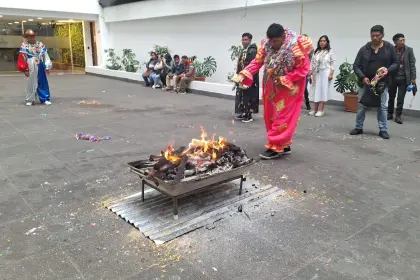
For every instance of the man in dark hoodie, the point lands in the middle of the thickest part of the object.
(371, 57)
(247, 100)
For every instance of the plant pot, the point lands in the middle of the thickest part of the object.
(201, 79)
(60, 66)
(351, 102)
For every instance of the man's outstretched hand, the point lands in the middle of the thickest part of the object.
(237, 78)
(26, 73)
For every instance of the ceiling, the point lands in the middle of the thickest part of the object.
(109, 3)
(13, 19)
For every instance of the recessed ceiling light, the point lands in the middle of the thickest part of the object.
(10, 23)
(1, 16)
(23, 20)
(30, 19)
(44, 23)
(16, 21)
(39, 18)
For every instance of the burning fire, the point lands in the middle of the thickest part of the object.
(202, 148)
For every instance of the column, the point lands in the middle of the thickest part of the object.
(88, 43)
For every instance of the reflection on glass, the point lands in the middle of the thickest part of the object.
(56, 37)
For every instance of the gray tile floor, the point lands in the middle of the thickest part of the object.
(349, 211)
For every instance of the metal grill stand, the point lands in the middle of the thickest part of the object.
(186, 188)
(175, 198)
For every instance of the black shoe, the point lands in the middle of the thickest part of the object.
(269, 154)
(240, 117)
(384, 134)
(308, 107)
(390, 117)
(286, 151)
(247, 119)
(356, 131)
(398, 119)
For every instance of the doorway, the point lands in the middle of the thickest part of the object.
(94, 45)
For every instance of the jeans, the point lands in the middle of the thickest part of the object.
(381, 115)
(146, 79)
(155, 79)
(401, 86)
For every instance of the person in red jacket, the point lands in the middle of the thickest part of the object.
(284, 55)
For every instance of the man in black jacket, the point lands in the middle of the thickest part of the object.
(374, 55)
(247, 100)
(406, 75)
(307, 103)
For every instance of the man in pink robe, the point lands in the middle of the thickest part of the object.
(285, 57)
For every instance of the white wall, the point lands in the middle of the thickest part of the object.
(147, 9)
(347, 23)
(88, 43)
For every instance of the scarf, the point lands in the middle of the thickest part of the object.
(33, 50)
(280, 62)
(242, 57)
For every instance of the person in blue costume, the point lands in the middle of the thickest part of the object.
(36, 64)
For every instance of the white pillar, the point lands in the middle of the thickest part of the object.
(71, 49)
(102, 39)
(87, 38)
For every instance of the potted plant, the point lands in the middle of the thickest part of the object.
(235, 51)
(346, 83)
(113, 59)
(61, 61)
(205, 69)
(129, 60)
(160, 50)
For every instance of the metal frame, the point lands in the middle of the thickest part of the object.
(175, 198)
(186, 188)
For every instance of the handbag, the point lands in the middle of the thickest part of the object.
(22, 65)
(372, 96)
(147, 73)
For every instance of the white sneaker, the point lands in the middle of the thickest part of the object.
(157, 86)
(181, 92)
(312, 113)
(47, 103)
(319, 114)
(153, 86)
(28, 104)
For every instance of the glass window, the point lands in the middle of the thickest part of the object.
(10, 28)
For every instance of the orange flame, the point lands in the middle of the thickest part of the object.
(203, 147)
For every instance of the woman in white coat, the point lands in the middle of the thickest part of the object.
(321, 75)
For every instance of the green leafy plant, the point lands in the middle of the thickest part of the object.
(77, 42)
(129, 60)
(346, 81)
(235, 52)
(113, 59)
(206, 68)
(160, 50)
